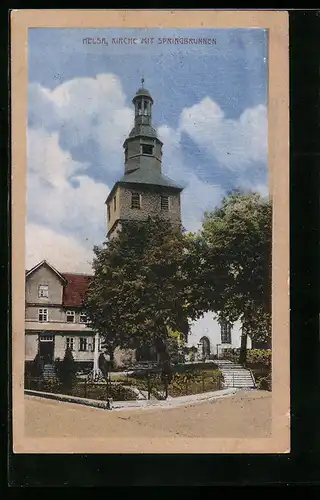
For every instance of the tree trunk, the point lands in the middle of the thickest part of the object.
(164, 360)
(243, 348)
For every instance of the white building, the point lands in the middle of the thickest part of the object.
(211, 337)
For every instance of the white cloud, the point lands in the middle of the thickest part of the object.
(92, 115)
(235, 144)
(59, 194)
(42, 110)
(198, 195)
(47, 160)
(64, 252)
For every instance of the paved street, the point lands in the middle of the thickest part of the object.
(244, 415)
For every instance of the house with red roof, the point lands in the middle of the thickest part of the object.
(54, 316)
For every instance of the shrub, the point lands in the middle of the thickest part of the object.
(192, 356)
(120, 393)
(264, 383)
(103, 365)
(51, 385)
(195, 382)
(67, 370)
(36, 368)
(259, 357)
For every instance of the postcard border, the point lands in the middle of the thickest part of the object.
(278, 114)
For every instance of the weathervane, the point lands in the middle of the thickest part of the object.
(142, 81)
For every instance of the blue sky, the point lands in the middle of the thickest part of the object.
(210, 110)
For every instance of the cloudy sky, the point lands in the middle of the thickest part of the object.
(210, 110)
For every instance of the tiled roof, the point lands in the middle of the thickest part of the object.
(149, 176)
(75, 289)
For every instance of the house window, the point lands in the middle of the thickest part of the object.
(71, 316)
(83, 318)
(43, 291)
(146, 149)
(135, 200)
(83, 344)
(165, 203)
(70, 343)
(43, 315)
(225, 333)
(114, 203)
(46, 338)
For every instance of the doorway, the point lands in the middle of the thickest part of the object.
(46, 349)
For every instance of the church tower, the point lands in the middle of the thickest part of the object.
(143, 190)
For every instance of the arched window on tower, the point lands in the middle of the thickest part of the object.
(139, 107)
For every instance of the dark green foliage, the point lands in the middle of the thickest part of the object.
(236, 249)
(152, 278)
(195, 382)
(103, 365)
(255, 357)
(66, 370)
(37, 367)
(139, 288)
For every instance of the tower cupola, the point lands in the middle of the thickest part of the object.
(143, 106)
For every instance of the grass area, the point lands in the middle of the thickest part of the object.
(183, 383)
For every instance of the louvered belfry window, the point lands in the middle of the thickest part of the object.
(165, 203)
(135, 200)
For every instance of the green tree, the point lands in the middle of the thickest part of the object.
(176, 346)
(138, 292)
(67, 370)
(234, 276)
(37, 366)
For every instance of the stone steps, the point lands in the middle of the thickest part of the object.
(235, 375)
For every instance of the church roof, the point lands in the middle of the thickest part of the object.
(150, 176)
(143, 130)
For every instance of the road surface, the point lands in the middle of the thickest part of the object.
(243, 415)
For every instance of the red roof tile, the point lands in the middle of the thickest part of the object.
(75, 290)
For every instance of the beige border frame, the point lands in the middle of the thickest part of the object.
(277, 24)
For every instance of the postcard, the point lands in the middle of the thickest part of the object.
(150, 231)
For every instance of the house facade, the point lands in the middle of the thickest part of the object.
(54, 317)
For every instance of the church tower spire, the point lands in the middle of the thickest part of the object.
(142, 148)
(143, 190)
